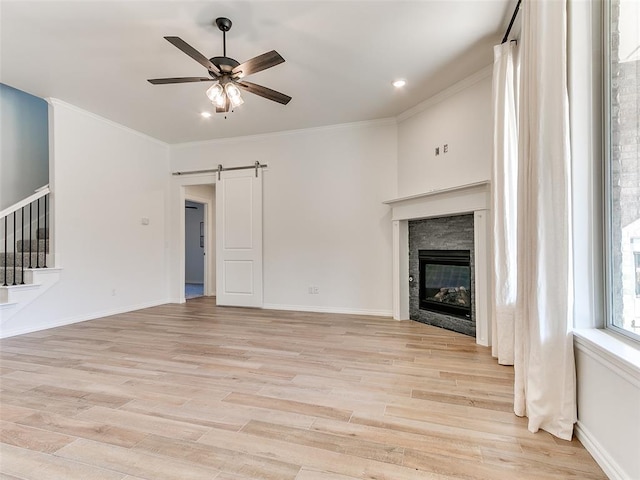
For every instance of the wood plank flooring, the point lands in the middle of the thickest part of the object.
(196, 391)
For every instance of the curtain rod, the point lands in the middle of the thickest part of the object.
(220, 169)
(513, 19)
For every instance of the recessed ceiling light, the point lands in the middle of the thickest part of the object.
(205, 115)
(399, 83)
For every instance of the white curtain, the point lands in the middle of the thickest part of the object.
(545, 389)
(531, 205)
(504, 181)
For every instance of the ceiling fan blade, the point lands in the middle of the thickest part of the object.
(193, 53)
(257, 64)
(264, 92)
(163, 81)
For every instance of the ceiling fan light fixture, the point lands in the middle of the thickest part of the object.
(216, 94)
(236, 101)
(233, 93)
(232, 90)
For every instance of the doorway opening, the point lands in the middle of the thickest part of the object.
(198, 263)
(194, 249)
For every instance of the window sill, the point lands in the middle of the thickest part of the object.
(610, 351)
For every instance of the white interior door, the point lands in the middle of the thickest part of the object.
(239, 239)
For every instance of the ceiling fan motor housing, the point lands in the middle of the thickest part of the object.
(225, 64)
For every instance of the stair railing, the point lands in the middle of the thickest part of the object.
(14, 218)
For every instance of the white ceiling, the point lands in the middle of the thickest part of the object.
(341, 57)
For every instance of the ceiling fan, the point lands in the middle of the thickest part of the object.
(228, 73)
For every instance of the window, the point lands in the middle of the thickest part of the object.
(622, 186)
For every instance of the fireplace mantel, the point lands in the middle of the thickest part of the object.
(469, 198)
(456, 200)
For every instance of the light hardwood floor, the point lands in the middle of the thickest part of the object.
(197, 391)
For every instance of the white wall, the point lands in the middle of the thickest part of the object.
(104, 180)
(324, 221)
(608, 406)
(24, 145)
(459, 117)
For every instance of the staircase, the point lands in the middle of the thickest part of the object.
(30, 254)
(25, 263)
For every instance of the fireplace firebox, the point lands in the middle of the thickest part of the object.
(445, 282)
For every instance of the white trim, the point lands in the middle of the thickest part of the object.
(56, 102)
(459, 200)
(177, 199)
(263, 136)
(82, 318)
(446, 93)
(611, 352)
(456, 188)
(599, 453)
(40, 192)
(339, 310)
(21, 287)
(481, 247)
(400, 273)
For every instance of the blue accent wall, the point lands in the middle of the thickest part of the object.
(24, 145)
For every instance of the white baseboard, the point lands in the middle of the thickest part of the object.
(82, 318)
(316, 309)
(599, 454)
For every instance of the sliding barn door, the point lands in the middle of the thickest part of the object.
(239, 239)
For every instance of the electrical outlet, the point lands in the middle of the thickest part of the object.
(437, 151)
(445, 149)
(316, 290)
(310, 290)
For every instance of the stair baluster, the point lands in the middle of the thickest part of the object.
(15, 248)
(30, 232)
(22, 249)
(37, 240)
(5, 252)
(46, 214)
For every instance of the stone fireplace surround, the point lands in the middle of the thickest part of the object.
(452, 232)
(472, 198)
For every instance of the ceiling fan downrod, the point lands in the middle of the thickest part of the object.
(224, 24)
